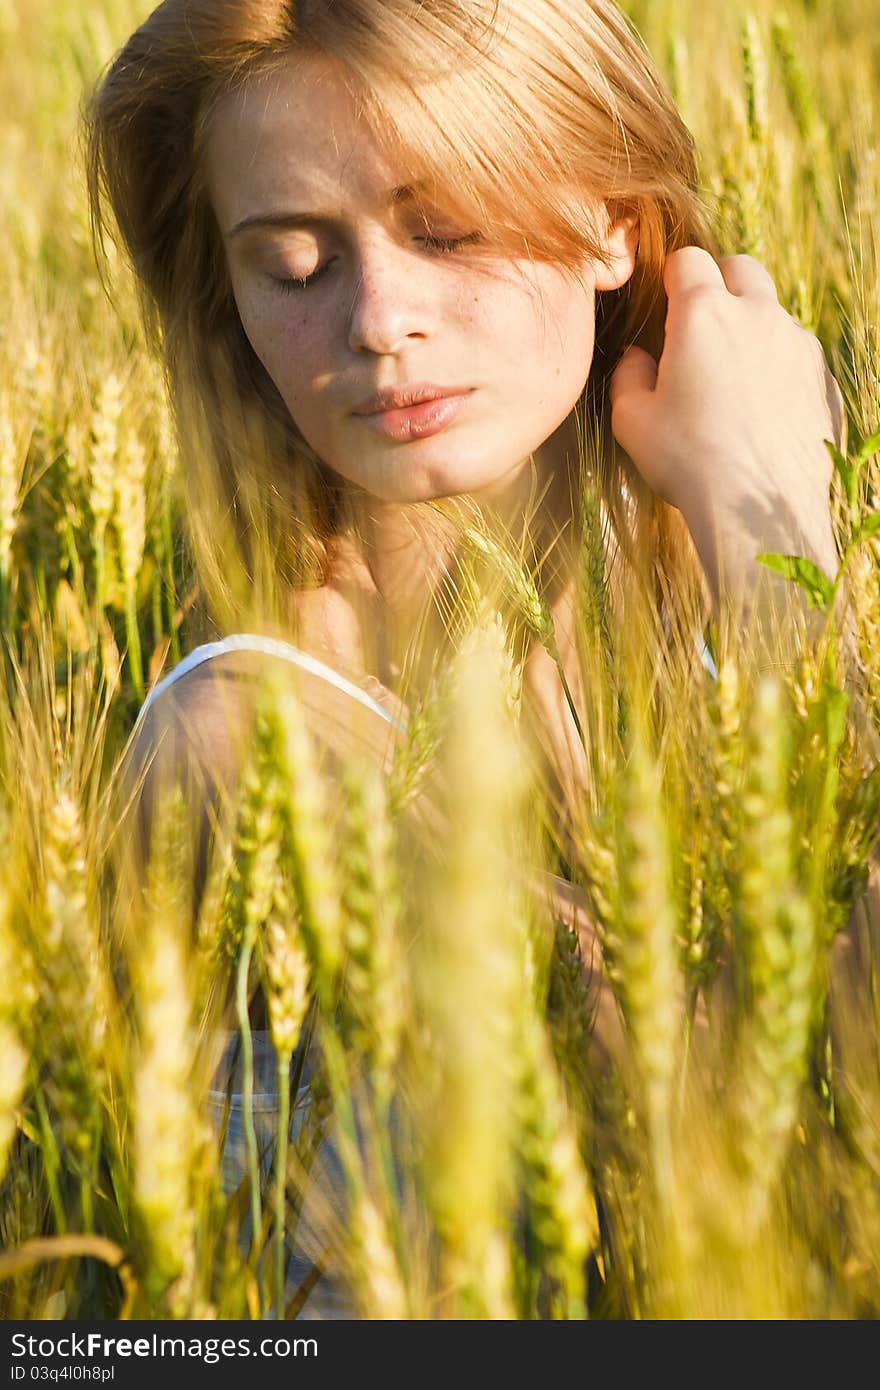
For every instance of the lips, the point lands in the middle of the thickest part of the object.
(402, 397)
(410, 413)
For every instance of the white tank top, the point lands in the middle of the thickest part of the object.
(269, 646)
(273, 646)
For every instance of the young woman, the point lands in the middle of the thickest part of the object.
(397, 253)
(394, 253)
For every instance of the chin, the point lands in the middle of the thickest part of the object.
(463, 478)
(405, 481)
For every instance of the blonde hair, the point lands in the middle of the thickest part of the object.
(521, 114)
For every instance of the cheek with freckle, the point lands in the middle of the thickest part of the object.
(290, 351)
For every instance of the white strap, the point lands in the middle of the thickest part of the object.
(706, 656)
(273, 646)
(270, 646)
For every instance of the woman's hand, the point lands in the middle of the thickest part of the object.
(729, 426)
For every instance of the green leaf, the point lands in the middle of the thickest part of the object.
(867, 449)
(845, 469)
(869, 527)
(817, 586)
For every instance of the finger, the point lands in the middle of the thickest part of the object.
(631, 392)
(635, 374)
(689, 268)
(748, 278)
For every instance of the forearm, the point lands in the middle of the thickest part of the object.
(730, 427)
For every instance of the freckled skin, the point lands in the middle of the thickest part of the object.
(389, 310)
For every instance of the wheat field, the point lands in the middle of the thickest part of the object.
(471, 1124)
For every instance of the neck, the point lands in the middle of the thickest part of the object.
(411, 549)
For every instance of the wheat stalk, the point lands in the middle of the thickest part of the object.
(645, 951)
(375, 983)
(562, 1209)
(468, 970)
(778, 935)
(166, 1122)
(75, 989)
(102, 471)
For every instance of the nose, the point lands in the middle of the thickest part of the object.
(392, 301)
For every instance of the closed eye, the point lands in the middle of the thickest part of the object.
(294, 283)
(445, 245)
(439, 243)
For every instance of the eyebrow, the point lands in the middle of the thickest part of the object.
(289, 221)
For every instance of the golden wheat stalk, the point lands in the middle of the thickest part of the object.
(562, 1210)
(308, 831)
(130, 515)
(166, 1120)
(375, 982)
(469, 969)
(75, 986)
(380, 1289)
(102, 471)
(778, 935)
(646, 966)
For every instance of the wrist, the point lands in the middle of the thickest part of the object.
(729, 538)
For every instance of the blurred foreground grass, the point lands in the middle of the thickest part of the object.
(505, 1144)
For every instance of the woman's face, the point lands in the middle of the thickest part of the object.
(349, 284)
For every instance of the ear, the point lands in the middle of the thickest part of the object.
(621, 244)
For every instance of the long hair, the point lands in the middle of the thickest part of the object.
(521, 114)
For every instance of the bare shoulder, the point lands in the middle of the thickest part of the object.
(209, 709)
(193, 734)
(198, 729)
